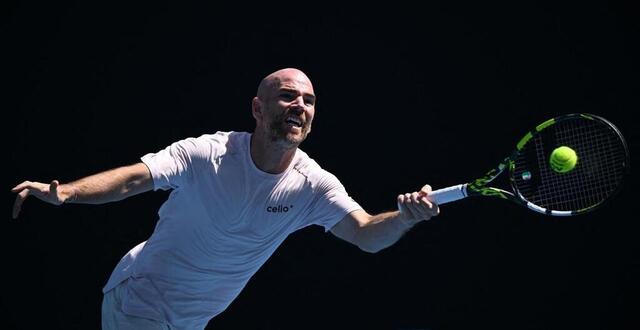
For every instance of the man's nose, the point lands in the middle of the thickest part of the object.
(297, 109)
(298, 104)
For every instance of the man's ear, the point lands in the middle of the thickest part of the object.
(256, 108)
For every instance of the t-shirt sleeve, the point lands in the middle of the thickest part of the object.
(332, 202)
(175, 165)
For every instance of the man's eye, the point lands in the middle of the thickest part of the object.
(286, 96)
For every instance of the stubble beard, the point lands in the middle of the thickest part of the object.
(280, 135)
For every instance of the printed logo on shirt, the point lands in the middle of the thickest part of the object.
(279, 209)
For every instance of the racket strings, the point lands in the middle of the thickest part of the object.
(601, 164)
(594, 188)
(564, 194)
(590, 189)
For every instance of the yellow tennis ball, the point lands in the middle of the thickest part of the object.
(563, 159)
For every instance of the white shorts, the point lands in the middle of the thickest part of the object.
(113, 318)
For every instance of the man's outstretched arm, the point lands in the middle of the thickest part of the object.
(108, 186)
(373, 233)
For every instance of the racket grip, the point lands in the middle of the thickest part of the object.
(449, 194)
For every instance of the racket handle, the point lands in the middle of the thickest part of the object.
(449, 194)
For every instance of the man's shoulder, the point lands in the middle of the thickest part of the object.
(308, 167)
(228, 140)
(213, 145)
(223, 136)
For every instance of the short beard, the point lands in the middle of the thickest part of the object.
(278, 135)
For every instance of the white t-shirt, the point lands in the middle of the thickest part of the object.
(222, 221)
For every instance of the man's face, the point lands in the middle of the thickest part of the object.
(288, 108)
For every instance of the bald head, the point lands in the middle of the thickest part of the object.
(272, 82)
(283, 108)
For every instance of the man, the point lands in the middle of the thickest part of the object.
(235, 197)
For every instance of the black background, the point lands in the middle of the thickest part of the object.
(435, 93)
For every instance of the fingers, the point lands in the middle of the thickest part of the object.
(53, 188)
(21, 186)
(403, 208)
(426, 189)
(23, 193)
(17, 205)
(416, 206)
(43, 191)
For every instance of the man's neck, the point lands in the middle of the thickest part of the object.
(269, 156)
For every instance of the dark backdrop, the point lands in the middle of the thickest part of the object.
(435, 93)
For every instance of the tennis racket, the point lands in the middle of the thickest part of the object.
(602, 163)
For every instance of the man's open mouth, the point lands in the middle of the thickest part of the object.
(294, 121)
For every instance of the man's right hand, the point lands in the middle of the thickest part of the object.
(43, 191)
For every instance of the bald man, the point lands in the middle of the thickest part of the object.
(235, 197)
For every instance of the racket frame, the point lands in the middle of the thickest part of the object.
(479, 187)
